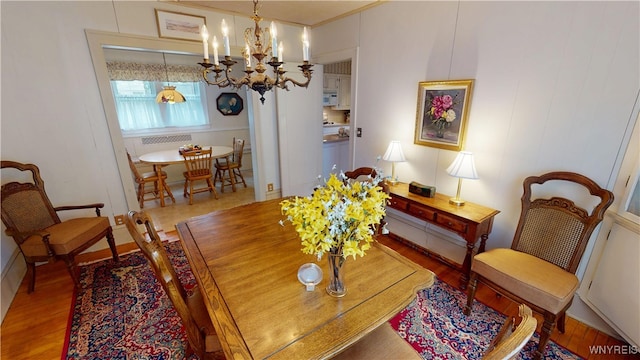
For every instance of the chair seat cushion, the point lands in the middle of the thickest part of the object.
(67, 236)
(539, 282)
(196, 306)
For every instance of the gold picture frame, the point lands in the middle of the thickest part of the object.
(442, 113)
(181, 26)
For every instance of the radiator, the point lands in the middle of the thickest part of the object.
(182, 138)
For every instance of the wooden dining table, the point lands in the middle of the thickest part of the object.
(246, 266)
(167, 157)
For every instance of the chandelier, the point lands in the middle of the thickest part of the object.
(261, 44)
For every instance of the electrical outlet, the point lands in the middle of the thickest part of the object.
(269, 187)
(119, 219)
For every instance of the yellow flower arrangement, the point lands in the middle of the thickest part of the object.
(340, 217)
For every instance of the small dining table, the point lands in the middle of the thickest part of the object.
(167, 157)
(246, 266)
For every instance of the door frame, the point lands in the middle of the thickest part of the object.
(97, 41)
(344, 55)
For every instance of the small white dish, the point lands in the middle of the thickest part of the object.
(310, 275)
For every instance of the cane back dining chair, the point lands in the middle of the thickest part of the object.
(513, 336)
(190, 306)
(364, 174)
(199, 165)
(361, 173)
(142, 179)
(367, 174)
(33, 222)
(549, 241)
(231, 165)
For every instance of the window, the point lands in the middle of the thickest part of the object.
(138, 110)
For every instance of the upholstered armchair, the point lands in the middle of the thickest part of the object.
(41, 235)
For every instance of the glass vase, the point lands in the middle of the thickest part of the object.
(336, 286)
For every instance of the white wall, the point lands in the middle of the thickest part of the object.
(555, 86)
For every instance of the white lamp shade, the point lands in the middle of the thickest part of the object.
(463, 166)
(394, 152)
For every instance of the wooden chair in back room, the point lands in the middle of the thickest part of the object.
(228, 168)
(550, 238)
(190, 306)
(143, 179)
(41, 235)
(199, 165)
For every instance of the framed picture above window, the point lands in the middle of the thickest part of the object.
(229, 104)
(442, 113)
(175, 25)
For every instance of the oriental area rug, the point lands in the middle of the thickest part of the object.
(122, 312)
(437, 329)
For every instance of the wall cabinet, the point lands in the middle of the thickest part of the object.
(331, 82)
(342, 85)
(335, 153)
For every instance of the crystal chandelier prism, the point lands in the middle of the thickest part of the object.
(260, 44)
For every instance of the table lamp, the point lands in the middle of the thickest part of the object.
(462, 167)
(394, 154)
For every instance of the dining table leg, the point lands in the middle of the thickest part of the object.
(158, 169)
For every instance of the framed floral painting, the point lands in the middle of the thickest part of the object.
(442, 114)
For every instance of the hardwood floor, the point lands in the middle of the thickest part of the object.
(35, 325)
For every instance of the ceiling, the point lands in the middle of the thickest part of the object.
(309, 12)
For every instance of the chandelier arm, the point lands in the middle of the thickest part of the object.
(306, 72)
(217, 80)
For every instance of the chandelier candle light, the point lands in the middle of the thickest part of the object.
(394, 154)
(260, 44)
(462, 167)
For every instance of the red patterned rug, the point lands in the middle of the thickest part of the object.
(122, 312)
(436, 327)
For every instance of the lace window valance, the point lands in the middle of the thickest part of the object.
(153, 72)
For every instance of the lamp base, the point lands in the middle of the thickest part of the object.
(456, 201)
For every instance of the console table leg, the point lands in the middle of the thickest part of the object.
(483, 242)
(466, 266)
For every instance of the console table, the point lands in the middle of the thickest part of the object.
(470, 221)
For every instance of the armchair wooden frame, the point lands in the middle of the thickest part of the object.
(550, 239)
(190, 306)
(33, 222)
(513, 336)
